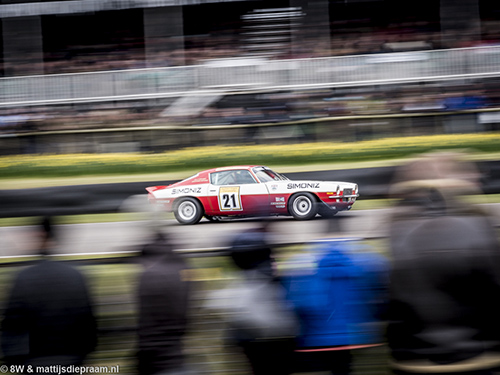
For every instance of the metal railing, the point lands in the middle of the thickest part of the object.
(229, 75)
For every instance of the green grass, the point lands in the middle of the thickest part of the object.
(193, 159)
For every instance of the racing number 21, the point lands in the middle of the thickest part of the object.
(229, 198)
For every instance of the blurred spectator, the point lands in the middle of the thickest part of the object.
(445, 281)
(163, 297)
(464, 100)
(48, 317)
(339, 292)
(260, 320)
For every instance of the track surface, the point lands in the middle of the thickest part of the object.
(125, 236)
(101, 238)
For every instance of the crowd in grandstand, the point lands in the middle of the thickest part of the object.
(131, 53)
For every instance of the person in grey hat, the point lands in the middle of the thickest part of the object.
(445, 280)
(259, 318)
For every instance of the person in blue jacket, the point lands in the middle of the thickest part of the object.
(339, 301)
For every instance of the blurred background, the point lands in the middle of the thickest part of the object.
(121, 76)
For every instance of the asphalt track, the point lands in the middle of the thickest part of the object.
(116, 237)
(126, 236)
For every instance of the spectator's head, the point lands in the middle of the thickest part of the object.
(249, 250)
(46, 234)
(434, 180)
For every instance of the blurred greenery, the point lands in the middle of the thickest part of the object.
(20, 166)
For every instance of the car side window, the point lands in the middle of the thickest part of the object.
(236, 177)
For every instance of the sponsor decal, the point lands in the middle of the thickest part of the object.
(303, 185)
(274, 187)
(230, 198)
(187, 190)
(279, 202)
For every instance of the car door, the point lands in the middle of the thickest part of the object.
(237, 192)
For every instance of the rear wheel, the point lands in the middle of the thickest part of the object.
(302, 206)
(188, 211)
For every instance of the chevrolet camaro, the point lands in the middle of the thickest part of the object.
(245, 191)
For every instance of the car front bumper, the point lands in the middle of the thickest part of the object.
(340, 203)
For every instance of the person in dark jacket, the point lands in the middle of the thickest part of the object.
(48, 318)
(445, 281)
(163, 297)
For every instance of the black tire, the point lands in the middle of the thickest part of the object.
(188, 211)
(303, 206)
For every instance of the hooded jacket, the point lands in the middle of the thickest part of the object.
(340, 302)
(444, 286)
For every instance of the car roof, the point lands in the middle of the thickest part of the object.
(202, 177)
(230, 168)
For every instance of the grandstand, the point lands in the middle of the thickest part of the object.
(124, 75)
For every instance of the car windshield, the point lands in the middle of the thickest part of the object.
(267, 175)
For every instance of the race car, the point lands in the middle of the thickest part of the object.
(251, 190)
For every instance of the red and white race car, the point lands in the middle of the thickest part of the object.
(242, 191)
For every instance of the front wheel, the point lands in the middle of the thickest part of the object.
(302, 206)
(188, 211)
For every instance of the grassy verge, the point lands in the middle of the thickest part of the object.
(193, 159)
